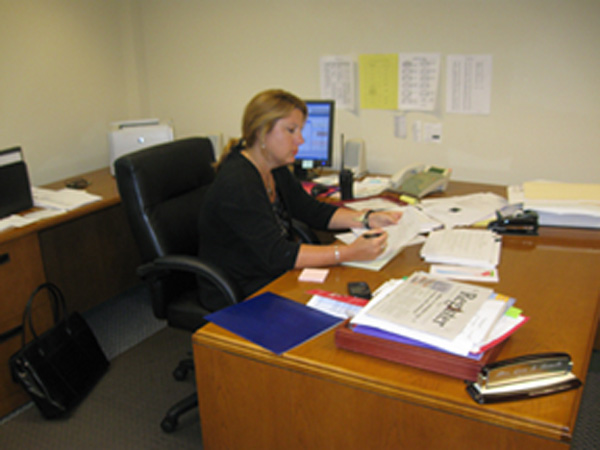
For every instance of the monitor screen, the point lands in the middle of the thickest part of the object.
(317, 150)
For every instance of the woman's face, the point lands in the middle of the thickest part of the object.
(282, 142)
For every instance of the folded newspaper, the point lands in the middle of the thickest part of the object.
(456, 317)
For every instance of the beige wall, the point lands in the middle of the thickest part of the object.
(75, 66)
(62, 79)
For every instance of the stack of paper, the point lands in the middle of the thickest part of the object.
(433, 312)
(463, 247)
(560, 204)
(463, 210)
(399, 235)
(64, 199)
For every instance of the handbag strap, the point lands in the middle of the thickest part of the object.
(59, 307)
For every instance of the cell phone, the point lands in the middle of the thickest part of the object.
(359, 289)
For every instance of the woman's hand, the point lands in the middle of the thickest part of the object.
(379, 219)
(367, 246)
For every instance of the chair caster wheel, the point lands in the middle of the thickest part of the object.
(168, 424)
(180, 374)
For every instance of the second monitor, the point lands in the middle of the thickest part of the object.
(317, 150)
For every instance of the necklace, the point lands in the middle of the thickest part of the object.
(266, 179)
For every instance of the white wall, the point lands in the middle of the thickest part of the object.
(70, 67)
(62, 81)
(206, 58)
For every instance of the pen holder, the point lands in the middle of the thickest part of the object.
(346, 181)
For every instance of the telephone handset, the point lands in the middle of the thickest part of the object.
(418, 180)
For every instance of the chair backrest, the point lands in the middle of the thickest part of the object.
(161, 188)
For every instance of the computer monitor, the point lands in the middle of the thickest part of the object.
(317, 150)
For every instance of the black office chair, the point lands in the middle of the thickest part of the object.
(162, 188)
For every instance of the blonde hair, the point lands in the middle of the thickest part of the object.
(260, 116)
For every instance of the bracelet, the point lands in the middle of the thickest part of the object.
(365, 219)
(336, 252)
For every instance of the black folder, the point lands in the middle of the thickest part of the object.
(15, 190)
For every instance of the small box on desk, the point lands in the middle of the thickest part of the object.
(461, 367)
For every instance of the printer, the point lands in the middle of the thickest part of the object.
(130, 136)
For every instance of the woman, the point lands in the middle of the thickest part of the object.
(245, 220)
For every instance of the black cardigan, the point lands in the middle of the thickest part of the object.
(239, 230)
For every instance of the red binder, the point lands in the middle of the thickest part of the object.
(411, 355)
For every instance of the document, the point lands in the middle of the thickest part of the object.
(468, 84)
(464, 273)
(463, 210)
(431, 305)
(378, 81)
(399, 236)
(466, 247)
(343, 306)
(451, 316)
(560, 204)
(426, 223)
(338, 81)
(554, 191)
(418, 83)
(63, 199)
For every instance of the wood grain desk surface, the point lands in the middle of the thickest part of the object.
(101, 183)
(553, 276)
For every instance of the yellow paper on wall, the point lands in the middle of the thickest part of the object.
(378, 81)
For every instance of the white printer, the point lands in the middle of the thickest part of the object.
(130, 136)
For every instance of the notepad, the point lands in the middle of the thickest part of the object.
(274, 322)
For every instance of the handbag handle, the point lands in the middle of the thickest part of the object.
(59, 307)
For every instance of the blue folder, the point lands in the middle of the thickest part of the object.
(274, 322)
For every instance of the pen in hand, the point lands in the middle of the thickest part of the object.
(372, 235)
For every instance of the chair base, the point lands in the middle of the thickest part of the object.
(169, 423)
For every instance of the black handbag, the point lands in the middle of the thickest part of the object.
(59, 367)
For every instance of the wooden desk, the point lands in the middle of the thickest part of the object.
(319, 396)
(88, 252)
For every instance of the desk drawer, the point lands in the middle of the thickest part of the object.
(21, 270)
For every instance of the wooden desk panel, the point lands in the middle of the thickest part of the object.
(88, 252)
(318, 396)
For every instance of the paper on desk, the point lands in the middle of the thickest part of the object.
(343, 306)
(465, 247)
(64, 199)
(394, 312)
(562, 211)
(548, 190)
(399, 236)
(464, 273)
(13, 221)
(426, 223)
(463, 210)
(370, 186)
(18, 221)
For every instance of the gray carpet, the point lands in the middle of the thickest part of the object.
(125, 409)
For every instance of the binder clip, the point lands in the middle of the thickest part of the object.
(522, 222)
(524, 377)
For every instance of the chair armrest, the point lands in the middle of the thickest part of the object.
(193, 265)
(304, 233)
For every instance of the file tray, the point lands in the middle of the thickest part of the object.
(462, 367)
(524, 377)
(15, 190)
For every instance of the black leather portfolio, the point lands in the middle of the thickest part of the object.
(15, 191)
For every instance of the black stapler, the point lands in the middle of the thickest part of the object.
(522, 222)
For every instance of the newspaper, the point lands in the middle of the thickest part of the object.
(428, 304)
